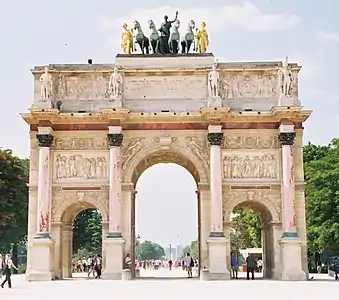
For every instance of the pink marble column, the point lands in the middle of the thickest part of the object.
(45, 140)
(286, 137)
(115, 138)
(215, 137)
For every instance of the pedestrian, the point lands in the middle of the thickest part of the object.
(7, 265)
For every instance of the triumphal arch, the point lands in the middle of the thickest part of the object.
(237, 127)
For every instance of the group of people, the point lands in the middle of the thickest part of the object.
(252, 265)
(6, 266)
(92, 266)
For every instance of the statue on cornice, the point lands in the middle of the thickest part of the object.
(45, 85)
(286, 78)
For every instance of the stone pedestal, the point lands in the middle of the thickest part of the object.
(204, 274)
(286, 101)
(42, 104)
(214, 102)
(114, 258)
(217, 259)
(126, 274)
(42, 260)
(291, 263)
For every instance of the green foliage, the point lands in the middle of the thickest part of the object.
(13, 199)
(87, 232)
(245, 229)
(192, 248)
(322, 196)
(148, 250)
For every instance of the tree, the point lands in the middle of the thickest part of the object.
(245, 229)
(322, 196)
(13, 199)
(192, 248)
(148, 250)
(87, 232)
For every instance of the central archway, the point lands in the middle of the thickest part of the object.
(152, 157)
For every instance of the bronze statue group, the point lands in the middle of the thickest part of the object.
(166, 39)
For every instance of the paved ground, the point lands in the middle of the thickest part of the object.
(322, 287)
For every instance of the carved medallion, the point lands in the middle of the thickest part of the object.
(248, 88)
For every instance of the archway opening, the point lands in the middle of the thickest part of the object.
(165, 216)
(81, 241)
(251, 238)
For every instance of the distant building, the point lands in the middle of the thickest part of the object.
(180, 248)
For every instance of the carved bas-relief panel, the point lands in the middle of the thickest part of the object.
(256, 91)
(251, 166)
(77, 166)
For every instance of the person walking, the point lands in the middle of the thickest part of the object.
(189, 265)
(7, 265)
(234, 266)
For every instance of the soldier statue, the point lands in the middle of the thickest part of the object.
(165, 34)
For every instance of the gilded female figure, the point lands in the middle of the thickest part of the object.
(202, 38)
(127, 40)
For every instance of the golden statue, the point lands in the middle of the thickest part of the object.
(127, 40)
(202, 38)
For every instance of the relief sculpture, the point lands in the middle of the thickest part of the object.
(133, 147)
(251, 166)
(250, 142)
(249, 86)
(198, 146)
(80, 144)
(79, 167)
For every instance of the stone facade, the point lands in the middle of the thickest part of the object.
(89, 146)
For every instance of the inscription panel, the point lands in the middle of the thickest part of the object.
(165, 87)
(80, 166)
(250, 166)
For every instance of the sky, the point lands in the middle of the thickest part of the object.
(42, 32)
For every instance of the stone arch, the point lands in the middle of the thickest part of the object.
(261, 204)
(157, 154)
(72, 204)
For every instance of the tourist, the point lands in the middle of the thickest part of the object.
(98, 267)
(128, 262)
(336, 268)
(1, 266)
(251, 266)
(91, 263)
(234, 266)
(170, 263)
(260, 265)
(189, 265)
(7, 265)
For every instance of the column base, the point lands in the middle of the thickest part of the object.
(42, 255)
(114, 258)
(217, 257)
(290, 248)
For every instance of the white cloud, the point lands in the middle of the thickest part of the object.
(246, 16)
(328, 36)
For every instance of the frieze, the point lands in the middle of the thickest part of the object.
(73, 143)
(270, 199)
(247, 166)
(250, 142)
(130, 149)
(78, 166)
